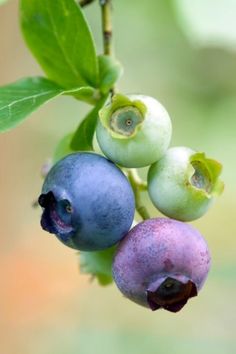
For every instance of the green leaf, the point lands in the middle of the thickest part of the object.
(110, 70)
(19, 99)
(83, 137)
(2, 2)
(88, 95)
(58, 35)
(98, 264)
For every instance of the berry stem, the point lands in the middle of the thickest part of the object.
(106, 26)
(138, 186)
(83, 3)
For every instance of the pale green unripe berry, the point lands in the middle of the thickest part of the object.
(183, 183)
(133, 130)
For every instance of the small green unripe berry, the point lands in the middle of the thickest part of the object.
(133, 130)
(183, 183)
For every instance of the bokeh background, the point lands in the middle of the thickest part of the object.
(182, 52)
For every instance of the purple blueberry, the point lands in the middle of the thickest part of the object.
(161, 263)
(87, 202)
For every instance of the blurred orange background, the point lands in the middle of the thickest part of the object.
(46, 306)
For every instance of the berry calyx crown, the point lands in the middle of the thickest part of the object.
(123, 117)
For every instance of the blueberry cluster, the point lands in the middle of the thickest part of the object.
(89, 203)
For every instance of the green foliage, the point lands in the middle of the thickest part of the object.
(59, 37)
(21, 98)
(88, 95)
(98, 264)
(110, 70)
(2, 2)
(83, 137)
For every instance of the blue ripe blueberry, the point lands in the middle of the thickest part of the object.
(87, 202)
(133, 130)
(161, 263)
(184, 183)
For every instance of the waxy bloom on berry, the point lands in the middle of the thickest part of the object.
(87, 202)
(161, 263)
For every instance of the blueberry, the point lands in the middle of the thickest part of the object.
(87, 202)
(161, 263)
(133, 130)
(184, 183)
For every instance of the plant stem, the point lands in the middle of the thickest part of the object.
(106, 26)
(138, 186)
(85, 2)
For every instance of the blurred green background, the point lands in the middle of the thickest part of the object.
(183, 52)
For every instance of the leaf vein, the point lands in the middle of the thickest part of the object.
(57, 37)
(33, 97)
